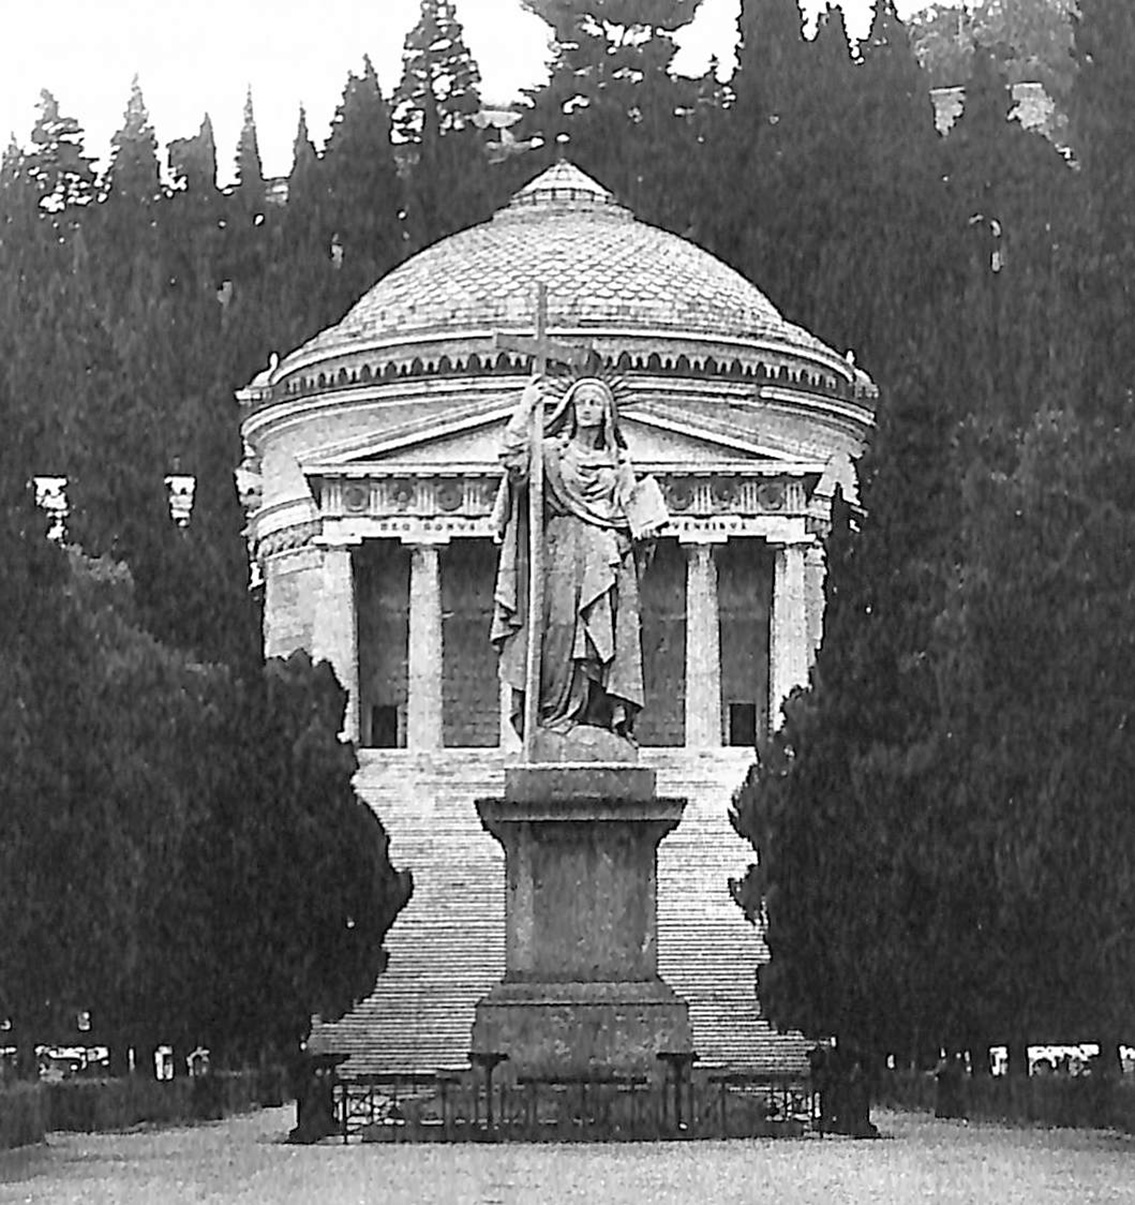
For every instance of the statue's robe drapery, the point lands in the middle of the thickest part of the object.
(591, 663)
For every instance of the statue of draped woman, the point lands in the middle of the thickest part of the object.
(591, 650)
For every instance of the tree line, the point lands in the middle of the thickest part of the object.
(960, 751)
(943, 822)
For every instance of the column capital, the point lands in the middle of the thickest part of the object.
(427, 539)
(337, 542)
(702, 539)
(796, 543)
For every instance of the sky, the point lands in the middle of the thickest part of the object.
(198, 56)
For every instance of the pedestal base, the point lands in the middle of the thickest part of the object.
(581, 992)
(569, 1029)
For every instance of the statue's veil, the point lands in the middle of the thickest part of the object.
(561, 415)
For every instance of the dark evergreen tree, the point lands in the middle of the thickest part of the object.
(1012, 208)
(125, 242)
(304, 860)
(58, 163)
(136, 711)
(1030, 40)
(856, 871)
(896, 202)
(306, 193)
(365, 227)
(612, 107)
(770, 62)
(132, 175)
(299, 288)
(250, 188)
(1101, 126)
(193, 161)
(1039, 680)
(434, 107)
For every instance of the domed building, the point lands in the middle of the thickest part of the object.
(376, 450)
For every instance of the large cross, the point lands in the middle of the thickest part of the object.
(542, 350)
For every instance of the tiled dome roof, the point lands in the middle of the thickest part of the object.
(602, 267)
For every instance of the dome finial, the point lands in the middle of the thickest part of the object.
(563, 185)
(562, 141)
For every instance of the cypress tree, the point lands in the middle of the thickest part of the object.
(1101, 127)
(897, 200)
(193, 161)
(250, 189)
(772, 59)
(610, 95)
(434, 107)
(58, 163)
(1012, 208)
(125, 245)
(366, 195)
(132, 176)
(846, 808)
(299, 287)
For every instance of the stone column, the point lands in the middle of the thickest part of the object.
(423, 703)
(814, 573)
(703, 646)
(788, 629)
(335, 634)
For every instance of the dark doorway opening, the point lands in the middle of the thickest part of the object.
(383, 727)
(743, 724)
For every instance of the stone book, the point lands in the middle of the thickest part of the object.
(646, 509)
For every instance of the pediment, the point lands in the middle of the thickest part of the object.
(657, 439)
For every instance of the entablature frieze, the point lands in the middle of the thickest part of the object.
(747, 491)
(687, 529)
(444, 506)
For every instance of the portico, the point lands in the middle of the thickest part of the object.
(414, 700)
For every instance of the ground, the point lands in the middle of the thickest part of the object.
(243, 1160)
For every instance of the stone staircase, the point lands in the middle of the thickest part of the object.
(447, 948)
(708, 951)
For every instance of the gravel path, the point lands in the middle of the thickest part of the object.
(243, 1160)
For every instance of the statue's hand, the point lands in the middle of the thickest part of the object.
(533, 392)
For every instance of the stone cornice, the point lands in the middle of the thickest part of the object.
(379, 469)
(288, 539)
(696, 346)
(298, 411)
(654, 356)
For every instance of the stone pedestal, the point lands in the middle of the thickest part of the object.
(581, 991)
